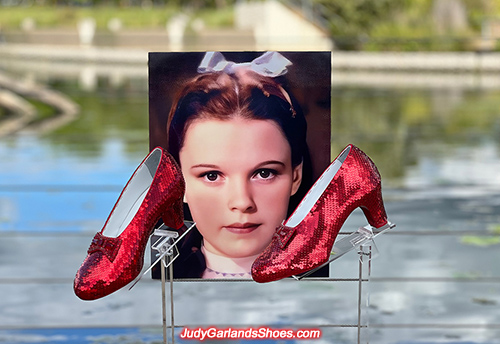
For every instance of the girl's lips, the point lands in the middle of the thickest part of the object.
(242, 228)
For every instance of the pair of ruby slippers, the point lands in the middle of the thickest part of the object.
(302, 243)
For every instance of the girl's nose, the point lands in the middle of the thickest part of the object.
(241, 197)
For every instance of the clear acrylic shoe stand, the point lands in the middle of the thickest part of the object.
(361, 240)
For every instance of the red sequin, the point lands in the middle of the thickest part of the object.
(112, 263)
(308, 245)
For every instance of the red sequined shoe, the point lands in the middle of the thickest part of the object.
(116, 254)
(304, 241)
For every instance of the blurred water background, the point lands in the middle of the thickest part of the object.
(434, 133)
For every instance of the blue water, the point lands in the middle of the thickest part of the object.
(43, 188)
(29, 160)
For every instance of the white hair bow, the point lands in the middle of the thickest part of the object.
(271, 64)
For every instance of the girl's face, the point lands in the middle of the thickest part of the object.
(239, 179)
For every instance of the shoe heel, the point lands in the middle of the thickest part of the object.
(173, 217)
(374, 209)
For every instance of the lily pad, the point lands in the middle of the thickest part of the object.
(480, 240)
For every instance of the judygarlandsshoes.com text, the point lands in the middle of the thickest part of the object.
(249, 333)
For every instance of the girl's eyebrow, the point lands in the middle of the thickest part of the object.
(204, 166)
(271, 162)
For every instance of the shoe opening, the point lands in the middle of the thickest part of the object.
(133, 196)
(317, 190)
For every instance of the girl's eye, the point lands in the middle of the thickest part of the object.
(211, 176)
(265, 174)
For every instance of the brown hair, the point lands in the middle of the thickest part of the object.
(222, 96)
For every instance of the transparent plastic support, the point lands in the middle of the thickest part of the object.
(167, 253)
(166, 262)
(165, 246)
(366, 253)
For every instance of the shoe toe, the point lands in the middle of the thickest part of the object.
(92, 280)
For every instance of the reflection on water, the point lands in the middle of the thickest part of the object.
(419, 138)
(69, 179)
(109, 113)
(423, 138)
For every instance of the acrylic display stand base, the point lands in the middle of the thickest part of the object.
(362, 240)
